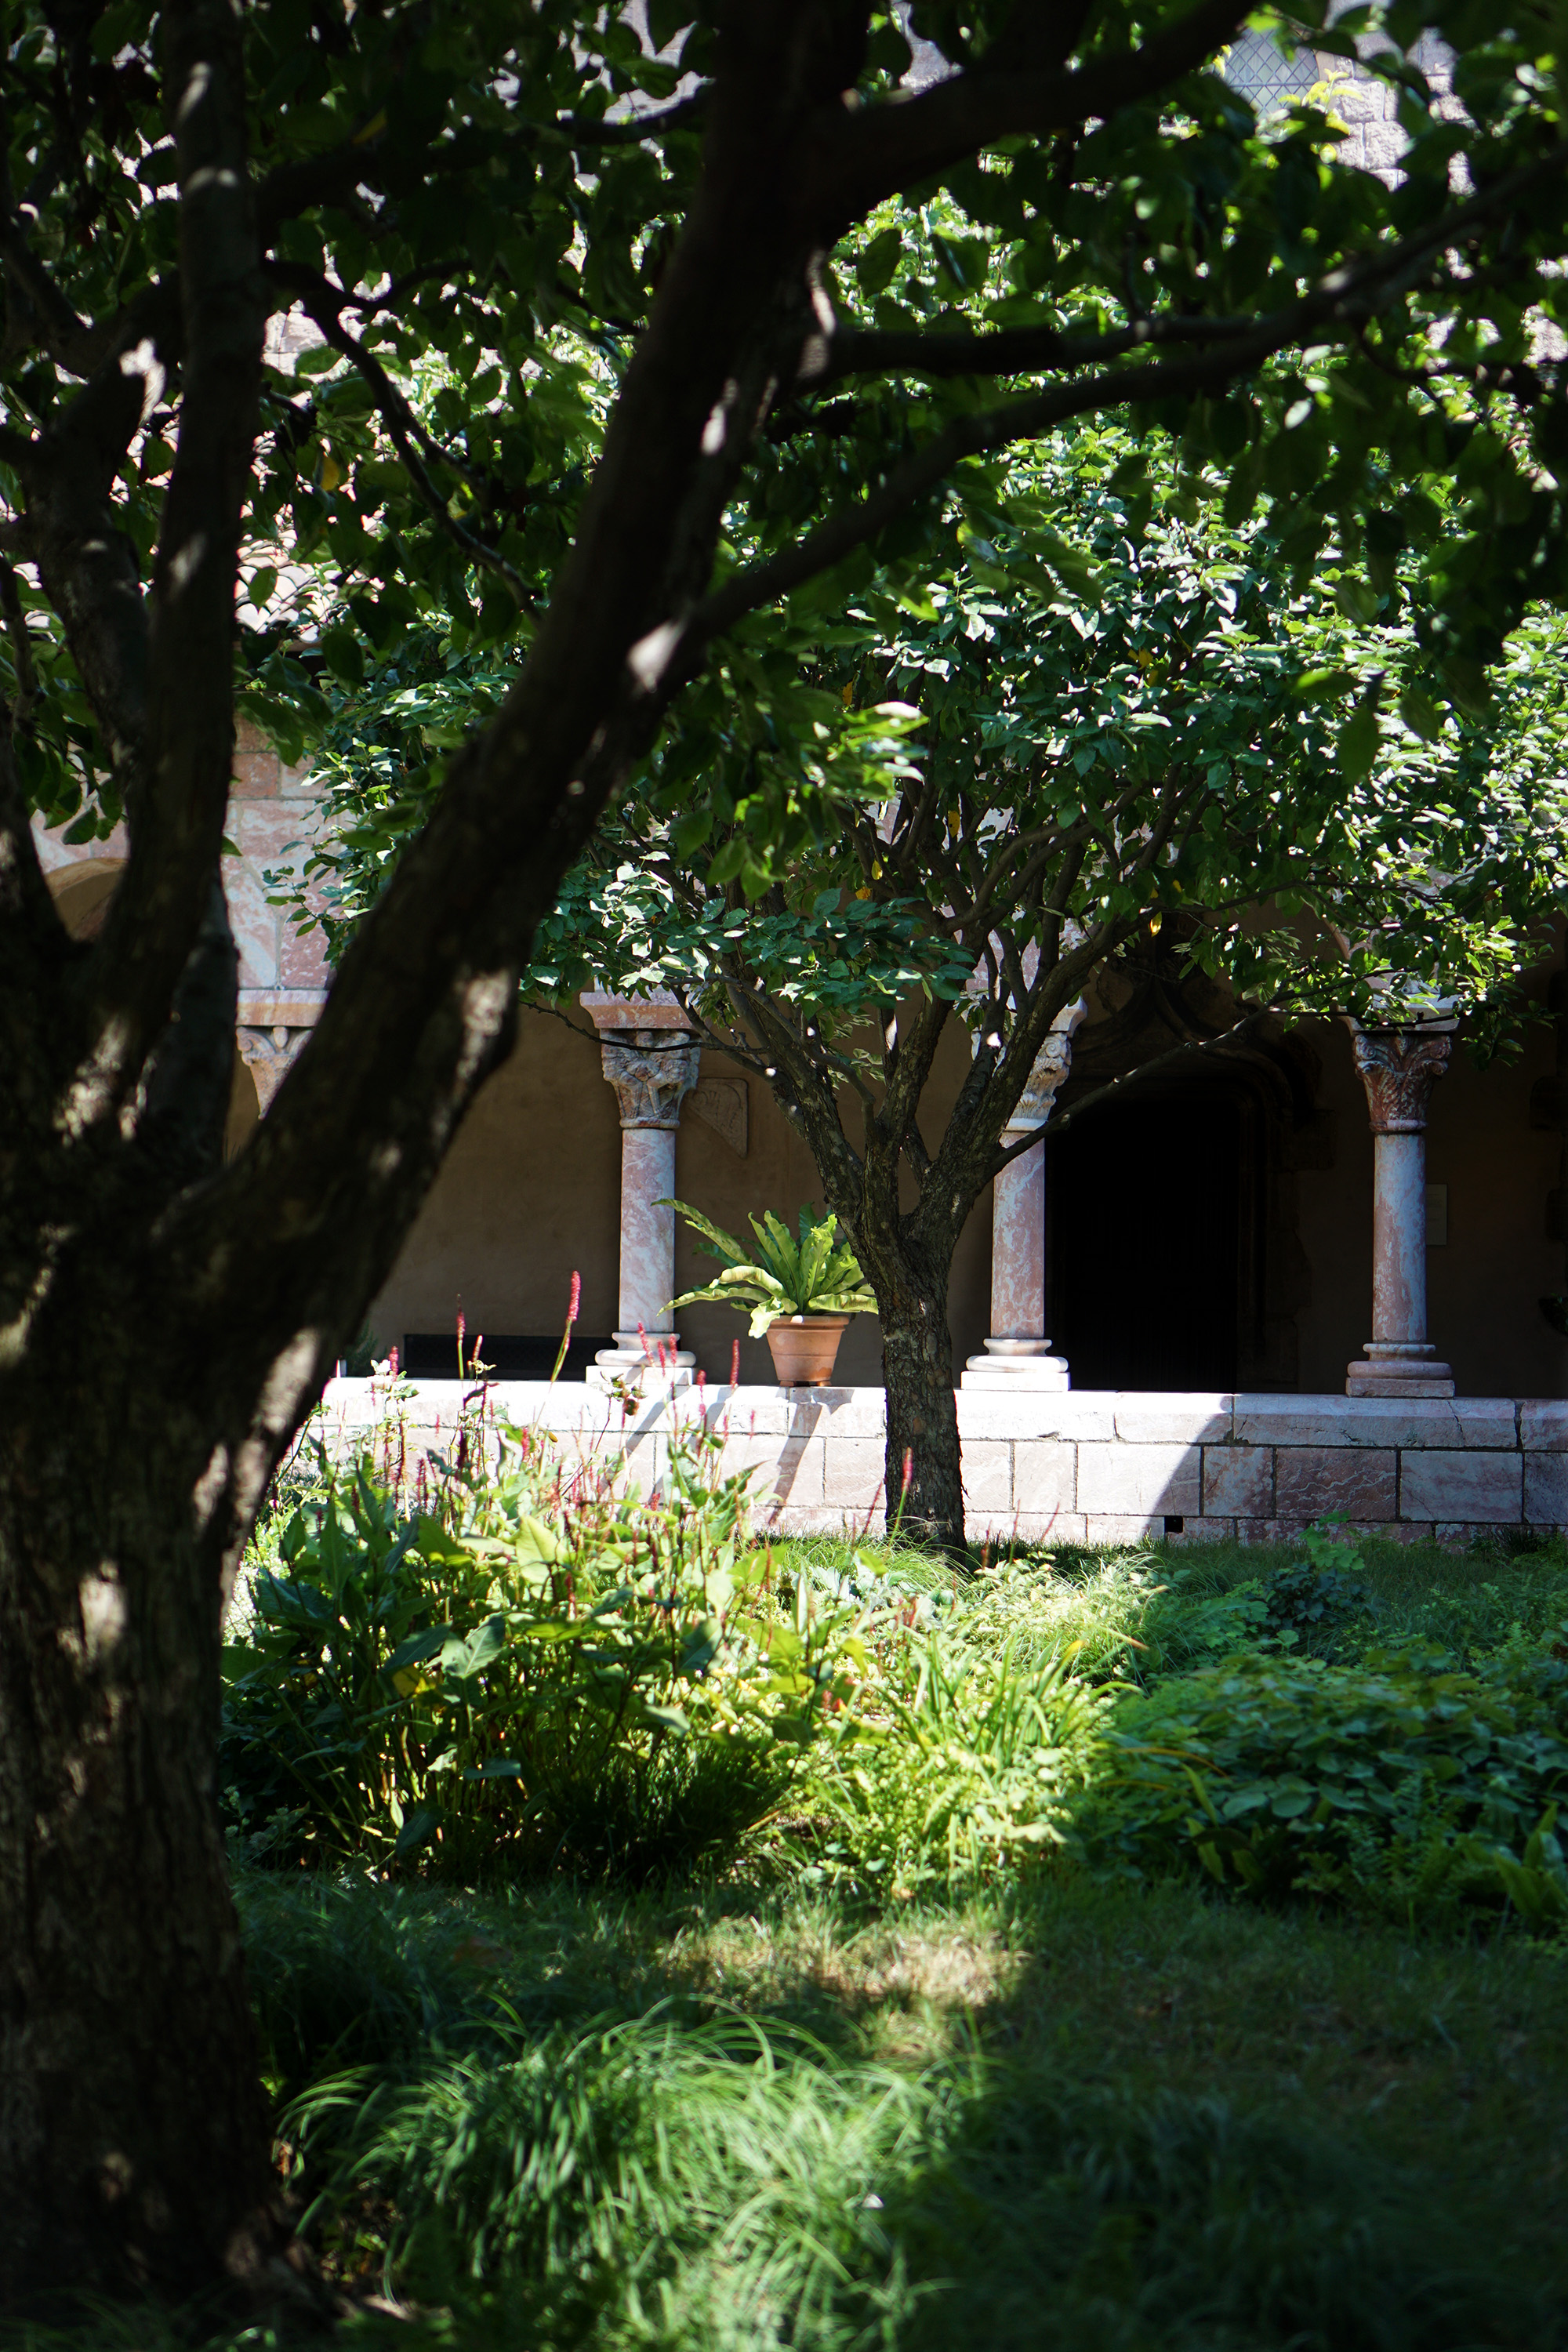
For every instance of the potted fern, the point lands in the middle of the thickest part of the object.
(800, 1293)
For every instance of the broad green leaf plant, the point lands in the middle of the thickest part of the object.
(787, 1276)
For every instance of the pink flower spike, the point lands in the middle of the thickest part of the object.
(576, 1299)
(909, 1467)
(734, 1363)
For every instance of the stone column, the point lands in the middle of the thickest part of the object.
(1019, 1352)
(652, 1075)
(1399, 1068)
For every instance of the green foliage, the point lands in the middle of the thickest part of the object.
(786, 1277)
(1280, 1773)
(537, 1671)
(701, 2173)
(955, 1761)
(1314, 1600)
(1127, 1617)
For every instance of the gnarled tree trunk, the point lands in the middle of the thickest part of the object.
(133, 2130)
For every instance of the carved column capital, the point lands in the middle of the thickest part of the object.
(651, 1081)
(1399, 1068)
(267, 1054)
(1052, 1064)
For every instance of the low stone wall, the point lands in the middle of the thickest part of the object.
(1088, 1467)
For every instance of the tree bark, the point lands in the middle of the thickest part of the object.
(924, 1473)
(133, 2131)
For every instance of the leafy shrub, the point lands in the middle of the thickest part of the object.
(534, 1673)
(1401, 1776)
(1314, 1600)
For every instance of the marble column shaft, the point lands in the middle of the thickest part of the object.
(1399, 1068)
(1017, 1350)
(651, 1076)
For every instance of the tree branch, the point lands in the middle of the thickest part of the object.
(1340, 303)
(881, 151)
(158, 911)
(1009, 350)
(629, 130)
(325, 303)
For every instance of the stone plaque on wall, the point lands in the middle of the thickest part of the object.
(723, 1103)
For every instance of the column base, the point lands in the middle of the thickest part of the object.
(1016, 1365)
(629, 1361)
(1406, 1367)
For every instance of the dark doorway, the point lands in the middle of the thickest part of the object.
(1145, 1210)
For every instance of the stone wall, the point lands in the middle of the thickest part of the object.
(1087, 1466)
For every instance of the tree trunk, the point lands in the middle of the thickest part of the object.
(924, 1479)
(133, 2131)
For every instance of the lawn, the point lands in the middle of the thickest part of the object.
(932, 2039)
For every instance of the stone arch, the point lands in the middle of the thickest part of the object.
(82, 892)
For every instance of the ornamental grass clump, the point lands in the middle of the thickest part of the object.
(787, 1276)
(953, 1760)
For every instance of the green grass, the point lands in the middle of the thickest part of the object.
(1046, 2113)
(1095, 2116)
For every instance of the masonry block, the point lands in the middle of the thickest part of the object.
(1036, 1413)
(1120, 1528)
(1046, 1527)
(748, 1412)
(1141, 1479)
(1238, 1481)
(852, 1470)
(1546, 1489)
(833, 1413)
(1202, 1531)
(815, 1520)
(1543, 1425)
(1145, 1418)
(771, 1465)
(1044, 1480)
(257, 774)
(1373, 1420)
(302, 954)
(988, 1475)
(1441, 1486)
(253, 922)
(1311, 1481)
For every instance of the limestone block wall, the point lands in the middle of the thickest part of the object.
(1087, 1466)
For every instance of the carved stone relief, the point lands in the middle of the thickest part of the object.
(1399, 1068)
(724, 1104)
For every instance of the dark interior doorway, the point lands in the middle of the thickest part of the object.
(1145, 1217)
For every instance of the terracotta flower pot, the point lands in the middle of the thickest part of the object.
(803, 1348)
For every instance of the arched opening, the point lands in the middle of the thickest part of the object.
(1152, 1215)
